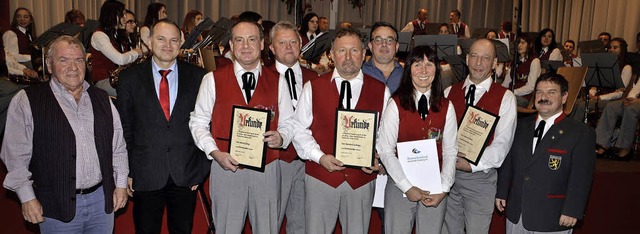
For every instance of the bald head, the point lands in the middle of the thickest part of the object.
(481, 60)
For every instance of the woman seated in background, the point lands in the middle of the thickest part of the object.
(191, 20)
(308, 27)
(418, 110)
(546, 46)
(526, 74)
(599, 97)
(110, 49)
(444, 29)
(17, 44)
(491, 34)
(155, 11)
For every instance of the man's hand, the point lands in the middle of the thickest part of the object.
(462, 164)
(567, 221)
(119, 198)
(433, 200)
(376, 167)
(130, 187)
(415, 194)
(30, 73)
(273, 139)
(330, 163)
(225, 160)
(501, 204)
(32, 211)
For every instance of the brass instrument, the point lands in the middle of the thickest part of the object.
(114, 75)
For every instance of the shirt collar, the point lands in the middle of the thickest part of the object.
(22, 29)
(281, 68)
(417, 94)
(156, 68)
(335, 75)
(549, 121)
(486, 84)
(57, 87)
(239, 70)
(369, 63)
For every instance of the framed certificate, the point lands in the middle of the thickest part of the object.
(476, 127)
(246, 143)
(355, 137)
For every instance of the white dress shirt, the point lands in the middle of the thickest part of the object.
(534, 73)
(494, 154)
(297, 71)
(12, 52)
(555, 54)
(305, 144)
(200, 121)
(388, 140)
(172, 80)
(101, 42)
(625, 74)
(548, 123)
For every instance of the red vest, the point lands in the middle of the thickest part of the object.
(325, 102)
(416, 28)
(461, 29)
(100, 64)
(290, 154)
(546, 55)
(413, 128)
(229, 94)
(522, 76)
(24, 43)
(489, 102)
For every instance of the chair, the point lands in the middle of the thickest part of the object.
(574, 76)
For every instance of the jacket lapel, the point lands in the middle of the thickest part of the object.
(553, 135)
(150, 90)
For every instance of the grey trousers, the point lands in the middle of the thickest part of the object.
(324, 204)
(400, 213)
(578, 108)
(518, 228)
(234, 195)
(292, 196)
(470, 203)
(607, 123)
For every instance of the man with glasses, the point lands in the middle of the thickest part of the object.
(383, 46)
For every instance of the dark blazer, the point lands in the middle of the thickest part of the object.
(157, 148)
(555, 180)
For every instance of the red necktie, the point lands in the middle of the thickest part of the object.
(164, 93)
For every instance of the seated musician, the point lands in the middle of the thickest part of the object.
(527, 72)
(17, 42)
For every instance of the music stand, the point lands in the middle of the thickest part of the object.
(551, 66)
(603, 73)
(404, 40)
(191, 41)
(458, 66)
(317, 46)
(634, 61)
(220, 33)
(465, 45)
(443, 45)
(593, 46)
(502, 50)
(432, 28)
(480, 32)
(40, 43)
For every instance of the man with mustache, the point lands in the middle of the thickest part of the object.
(384, 46)
(545, 179)
(470, 201)
(334, 190)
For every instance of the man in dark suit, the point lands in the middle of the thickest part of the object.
(545, 179)
(154, 101)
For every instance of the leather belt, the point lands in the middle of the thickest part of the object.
(89, 190)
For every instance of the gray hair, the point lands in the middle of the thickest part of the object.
(70, 41)
(283, 25)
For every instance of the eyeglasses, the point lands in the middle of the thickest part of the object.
(380, 40)
(131, 22)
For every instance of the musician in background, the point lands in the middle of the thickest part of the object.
(17, 44)
(527, 72)
(75, 16)
(108, 49)
(155, 11)
(191, 20)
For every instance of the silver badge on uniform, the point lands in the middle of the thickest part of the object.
(554, 162)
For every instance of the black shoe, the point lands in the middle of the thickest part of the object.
(605, 152)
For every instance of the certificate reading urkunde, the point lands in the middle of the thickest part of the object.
(355, 137)
(475, 129)
(246, 144)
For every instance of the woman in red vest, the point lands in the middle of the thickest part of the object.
(527, 72)
(17, 44)
(418, 110)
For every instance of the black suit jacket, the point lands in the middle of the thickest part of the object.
(157, 148)
(555, 180)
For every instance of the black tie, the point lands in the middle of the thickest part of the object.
(311, 37)
(423, 107)
(345, 88)
(291, 82)
(542, 52)
(539, 131)
(471, 93)
(248, 84)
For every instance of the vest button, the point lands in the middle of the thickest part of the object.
(526, 178)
